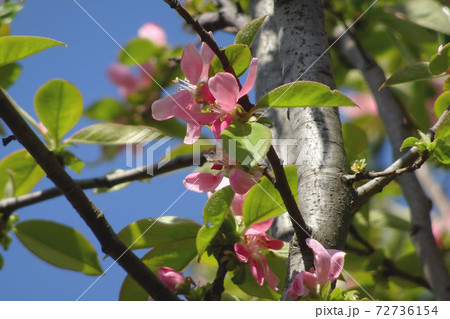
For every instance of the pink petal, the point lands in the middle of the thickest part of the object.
(269, 275)
(154, 33)
(260, 228)
(225, 89)
(207, 55)
(297, 288)
(256, 271)
(193, 132)
(322, 260)
(170, 277)
(206, 94)
(273, 243)
(240, 181)
(191, 63)
(171, 105)
(241, 252)
(219, 125)
(309, 280)
(238, 203)
(251, 77)
(145, 71)
(202, 182)
(121, 75)
(337, 263)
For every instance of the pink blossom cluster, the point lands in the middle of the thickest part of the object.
(328, 264)
(122, 76)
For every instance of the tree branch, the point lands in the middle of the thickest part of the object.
(9, 205)
(393, 118)
(94, 218)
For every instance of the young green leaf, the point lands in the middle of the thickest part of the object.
(138, 51)
(264, 201)
(441, 103)
(440, 62)
(247, 34)
(304, 94)
(177, 255)
(441, 151)
(248, 142)
(147, 233)
(24, 171)
(14, 47)
(8, 11)
(214, 214)
(409, 142)
(59, 106)
(114, 134)
(239, 56)
(59, 245)
(412, 72)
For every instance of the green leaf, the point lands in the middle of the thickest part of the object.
(70, 160)
(264, 201)
(409, 142)
(214, 214)
(25, 172)
(59, 245)
(150, 232)
(381, 219)
(9, 74)
(440, 62)
(59, 106)
(248, 143)
(247, 34)
(14, 47)
(8, 11)
(174, 255)
(412, 72)
(441, 103)
(239, 56)
(427, 13)
(355, 141)
(337, 294)
(114, 134)
(441, 151)
(137, 51)
(107, 109)
(304, 94)
(443, 131)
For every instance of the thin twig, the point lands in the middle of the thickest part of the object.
(94, 218)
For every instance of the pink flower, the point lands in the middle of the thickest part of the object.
(185, 104)
(154, 33)
(240, 181)
(225, 89)
(238, 199)
(256, 242)
(367, 105)
(127, 82)
(328, 264)
(170, 277)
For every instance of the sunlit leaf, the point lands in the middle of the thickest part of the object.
(247, 34)
(304, 94)
(441, 103)
(440, 62)
(8, 11)
(239, 56)
(59, 106)
(59, 245)
(114, 134)
(248, 143)
(137, 51)
(14, 47)
(413, 72)
(9, 74)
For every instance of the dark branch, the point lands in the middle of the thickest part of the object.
(9, 205)
(94, 218)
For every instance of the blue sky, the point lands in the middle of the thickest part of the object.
(89, 52)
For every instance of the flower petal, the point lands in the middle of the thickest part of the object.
(202, 182)
(337, 263)
(322, 260)
(191, 63)
(219, 125)
(256, 271)
(269, 275)
(154, 33)
(121, 75)
(207, 55)
(171, 105)
(273, 243)
(251, 77)
(241, 252)
(225, 89)
(238, 203)
(259, 229)
(240, 181)
(193, 132)
(309, 280)
(170, 277)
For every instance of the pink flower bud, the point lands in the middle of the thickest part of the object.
(154, 33)
(170, 277)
